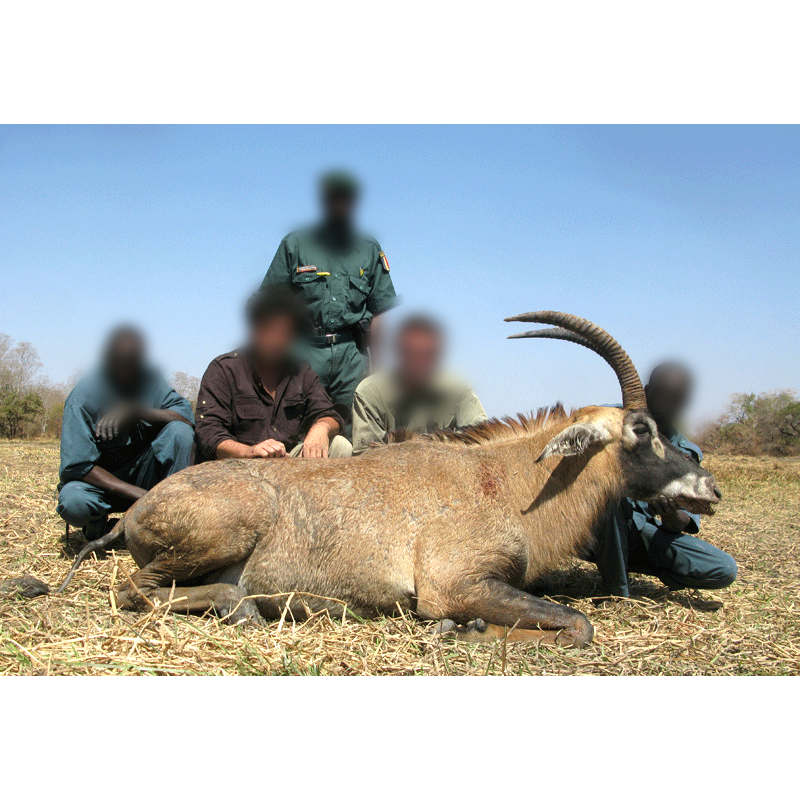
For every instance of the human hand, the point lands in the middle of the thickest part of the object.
(116, 421)
(671, 515)
(316, 443)
(269, 448)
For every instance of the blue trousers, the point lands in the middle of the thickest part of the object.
(677, 559)
(81, 504)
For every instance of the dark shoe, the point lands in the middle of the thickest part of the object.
(94, 530)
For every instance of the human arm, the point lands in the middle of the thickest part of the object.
(269, 448)
(322, 419)
(673, 518)
(382, 297)
(280, 270)
(469, 409)
(165, 405)
(368, 419)
(318, 438)
(79, 450)
(103, 479)
(124, 415)
(214, 423)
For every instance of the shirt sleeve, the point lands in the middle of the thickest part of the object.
(214, 423)
(280, 270)
(382, 295)
(318, 404)
(694, 519)
(172, 401)
(79, 450)
(469, 410)
(368, 421)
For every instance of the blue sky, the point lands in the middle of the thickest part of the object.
(681, 241)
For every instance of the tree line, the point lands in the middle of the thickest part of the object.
(32, 405)
(756, 424)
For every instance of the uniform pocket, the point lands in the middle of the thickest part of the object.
(310, 284)
(357, 296)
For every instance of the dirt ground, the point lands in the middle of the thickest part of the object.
(751, 628)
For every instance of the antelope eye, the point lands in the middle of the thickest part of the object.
(640, 429)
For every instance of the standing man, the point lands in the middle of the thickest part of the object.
(657, 538)
(124, 430)
(343, 277)
(417, 395)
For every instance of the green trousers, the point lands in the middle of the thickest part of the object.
(677, 559)
(340, 368)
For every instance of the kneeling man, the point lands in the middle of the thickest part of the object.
(258, 402)
(655, 538)
(417, 395)
(124, 430)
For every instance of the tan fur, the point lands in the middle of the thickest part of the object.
(420, 525)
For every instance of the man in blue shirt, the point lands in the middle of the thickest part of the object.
(124, 430)
(657, 538)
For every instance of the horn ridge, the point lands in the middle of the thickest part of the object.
(595, 338)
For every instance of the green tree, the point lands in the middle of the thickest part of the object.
(753, 424)
(16, 410)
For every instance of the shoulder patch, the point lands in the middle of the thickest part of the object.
(384, 260)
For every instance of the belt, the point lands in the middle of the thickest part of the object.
(331, 338)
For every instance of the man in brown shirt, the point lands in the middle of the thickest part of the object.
(257, 402)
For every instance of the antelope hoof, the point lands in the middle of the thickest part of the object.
(579, 636)
(477, 625)
(445, 627)
(246, 615)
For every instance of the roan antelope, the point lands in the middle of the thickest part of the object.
(449, 525)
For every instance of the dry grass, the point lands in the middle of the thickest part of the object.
(751, 628)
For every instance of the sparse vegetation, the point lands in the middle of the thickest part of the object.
(756, 424)
(32, 406)
(751, 628)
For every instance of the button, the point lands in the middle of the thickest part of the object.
(202, 417)
(334, 298)
(204, 402)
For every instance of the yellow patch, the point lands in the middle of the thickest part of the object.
(384, 260)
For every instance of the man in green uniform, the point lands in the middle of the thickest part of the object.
(343, 277)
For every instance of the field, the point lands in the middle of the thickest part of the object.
(751, 628)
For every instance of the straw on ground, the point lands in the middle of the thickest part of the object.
(751, 628)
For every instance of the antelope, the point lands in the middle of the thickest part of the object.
(449, 526)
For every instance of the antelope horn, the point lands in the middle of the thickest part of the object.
(581, 331)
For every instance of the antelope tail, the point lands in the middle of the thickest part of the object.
(90, 547)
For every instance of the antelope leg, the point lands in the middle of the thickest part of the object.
(504, 608)
(226, 600)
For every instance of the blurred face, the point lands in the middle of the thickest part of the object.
(339, 209)
(668, 395)
(272, 339)
(125, 362)
(418, 353)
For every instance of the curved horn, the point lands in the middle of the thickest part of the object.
(558, 333)
(595, 338)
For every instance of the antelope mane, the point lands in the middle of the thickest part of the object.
(492, 431)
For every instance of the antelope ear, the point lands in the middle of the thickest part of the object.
(575, 440)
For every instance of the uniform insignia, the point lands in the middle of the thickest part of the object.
(384, 260)
(309, 268)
